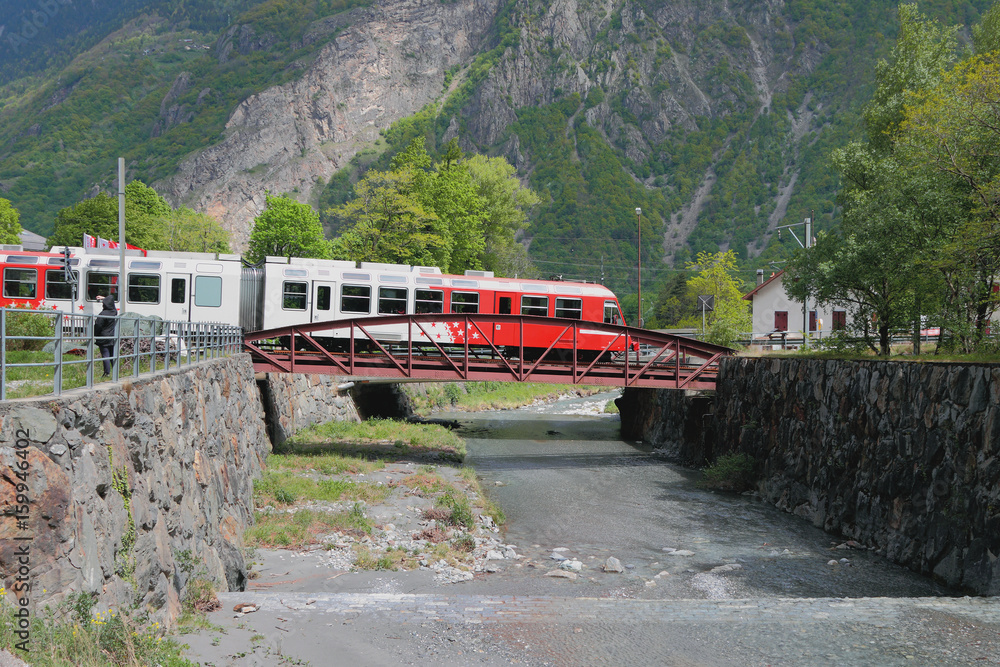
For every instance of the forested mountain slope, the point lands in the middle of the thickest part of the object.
(716, 117)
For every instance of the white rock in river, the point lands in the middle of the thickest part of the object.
(729, 567)
(612, 564)
(681, 552)
(494, 555)
(509, 553)
(557, 556)
(563, 574)
(573, 565)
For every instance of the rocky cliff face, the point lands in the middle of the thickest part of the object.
(660, 66)
(385, 63)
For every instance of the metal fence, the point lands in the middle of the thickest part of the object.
(48, 352)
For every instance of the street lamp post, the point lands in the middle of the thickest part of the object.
(638, 222)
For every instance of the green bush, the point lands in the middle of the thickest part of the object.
(20, 323)
(461, 510)
(730, 472)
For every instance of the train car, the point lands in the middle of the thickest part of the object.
(313, 290)
(281, 292)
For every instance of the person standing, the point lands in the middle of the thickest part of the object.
(104, 332)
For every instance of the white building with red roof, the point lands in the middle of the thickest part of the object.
(777, 316)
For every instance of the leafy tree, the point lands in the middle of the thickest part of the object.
(287, 228)
(505, 203)
(731, 315)
(191, 231)
(461, 213)
(98, 216)
(876, 265)
(10, 228)
(388, 222)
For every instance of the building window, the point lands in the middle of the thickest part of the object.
(569, 308)
(465, 302)
(293, 295)
(781, 320)
(839, 320)
(428, 301)
(355, 299)
(535, 305)
(56, 286)
(391, 300)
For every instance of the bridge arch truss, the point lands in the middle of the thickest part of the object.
(476, 348)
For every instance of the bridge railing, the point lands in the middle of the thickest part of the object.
(488, 347)
(47, 352)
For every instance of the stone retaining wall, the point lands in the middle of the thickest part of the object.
(294, 402)
(134, 488)
(903, 457)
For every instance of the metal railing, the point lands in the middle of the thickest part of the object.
(48, 352)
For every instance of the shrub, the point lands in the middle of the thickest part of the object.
(730, 472)
(20, 323)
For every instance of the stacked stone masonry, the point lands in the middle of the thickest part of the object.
(136, 487)
(903, 457)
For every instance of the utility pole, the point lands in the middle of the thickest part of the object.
(638, 221)
(808, 244)
(121, 235)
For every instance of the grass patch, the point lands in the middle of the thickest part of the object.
(284, 488)
(459, 509)
(76, 635)
(386, 436)
(490, 508)
(304, 527)
(730, 472)
(324, 463)
(478, 396)
(611, 408)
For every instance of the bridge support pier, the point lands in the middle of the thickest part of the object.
(678, 421)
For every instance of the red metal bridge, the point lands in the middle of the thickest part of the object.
(476, 348)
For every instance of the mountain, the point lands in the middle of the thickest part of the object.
(715, 117)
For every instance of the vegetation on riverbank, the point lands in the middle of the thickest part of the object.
(75, 634)
(383, 438)
(478, 396)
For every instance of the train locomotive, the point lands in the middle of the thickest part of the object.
(282, 292)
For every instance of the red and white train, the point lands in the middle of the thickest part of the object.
(203, 287)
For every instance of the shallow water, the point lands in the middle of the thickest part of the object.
(566, 479)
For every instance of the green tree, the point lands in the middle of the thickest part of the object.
(387, 222)
(190, 231)
(98, 216)
(287, 228)
(876, 266)
(505, 205)
(10, 227)
(716, 276)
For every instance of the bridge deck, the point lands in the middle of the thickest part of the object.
(563, 352)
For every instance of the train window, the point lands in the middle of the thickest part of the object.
(356, 276)
(58, 261)
(145, 266)
(429, 301)
(535, 305)
(528, 287)
(456, 282)
(399, 280)
(20, 283)
(324, 295)
(465, 302)
(391, 300)
(295, 273)
(611, 315)
(178, 290)
(101, 284)
(104, 263)
(143, 288)
(208, 291)
(293, 295)
(22, 259)
(429, 281)
(56, 286)
(355, 299)
(503, 305)
(569, 308)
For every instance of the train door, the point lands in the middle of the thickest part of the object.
(178, 301)
(505, 333)
(322, 303)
